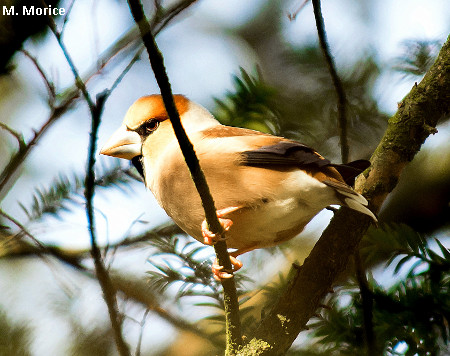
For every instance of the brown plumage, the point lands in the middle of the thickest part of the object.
(274, 186)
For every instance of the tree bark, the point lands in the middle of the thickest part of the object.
(417, 116)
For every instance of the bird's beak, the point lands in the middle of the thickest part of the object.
(123, 144)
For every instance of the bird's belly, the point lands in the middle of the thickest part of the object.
(269, 224)
(268, 214)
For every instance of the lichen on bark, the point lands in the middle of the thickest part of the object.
(416, 118)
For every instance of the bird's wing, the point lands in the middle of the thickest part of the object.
(291, 154)
(284, 154)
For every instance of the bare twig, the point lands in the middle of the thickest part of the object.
(16, 160)
(342, 101)
(168, 15)
(40, 250)
(141, 333)
(96, 109)
(127, 68)
(66, 16)
(367, 307)
(79, 254)
(293, 15)
(234, 338)
(23, 231)
(71, 94)
(50, 86)
(78, 81)
(109, 292)
(18, 136)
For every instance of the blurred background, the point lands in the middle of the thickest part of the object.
(252, 63)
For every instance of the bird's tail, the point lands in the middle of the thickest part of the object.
(350, 198)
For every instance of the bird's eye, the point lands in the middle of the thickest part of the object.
(148, 127)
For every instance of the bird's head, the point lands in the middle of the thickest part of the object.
(146, 124)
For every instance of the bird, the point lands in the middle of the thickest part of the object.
(266, 188)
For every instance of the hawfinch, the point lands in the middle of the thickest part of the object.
(266, 188)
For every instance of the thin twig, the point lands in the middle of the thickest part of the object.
(141, 333)
(40, 250)
(16, 161)
(109, 292)
(126, 70)
(66, 16)
(292, 15)
(72, 94)
(18, 136)
(78, 81)
(367, 307)
(342, 101)
(234, 338)
(50, 86)
(24, 231)
(96, 109)
(129, 242)
(168, 15)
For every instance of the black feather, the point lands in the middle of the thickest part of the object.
(283, 154)
(137, 163)
(349, 171)
(286, 154)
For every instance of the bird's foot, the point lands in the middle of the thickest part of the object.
(210, 238)
(220, 273)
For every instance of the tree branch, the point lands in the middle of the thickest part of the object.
(71, 95)
(415, 120)
(96, 109)
(24, 150)
(342, 100)
(130, 286)
(234, 338)
(50, 86)
(367, 307)
(109, 292)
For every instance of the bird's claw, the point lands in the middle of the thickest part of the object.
(219, 273)
(210, 238)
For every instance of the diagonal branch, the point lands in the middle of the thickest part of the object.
(131, 287)
(24, 150)
(234, 338)
(109, 292)
(415, 120)
(342, 100)
(96, 109)
(50, 86)
(72, 94)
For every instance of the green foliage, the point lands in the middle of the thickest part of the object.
(177, 266)
(53, 199)
(175, 262)
(308, 106)
(414, 310)
(391, 241)
(274, 289)
(63, 192)
(417, 57)
(14, 339)
(251, 104)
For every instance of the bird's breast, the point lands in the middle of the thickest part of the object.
(274, 206)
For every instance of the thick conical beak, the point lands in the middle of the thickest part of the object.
(123, 144)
